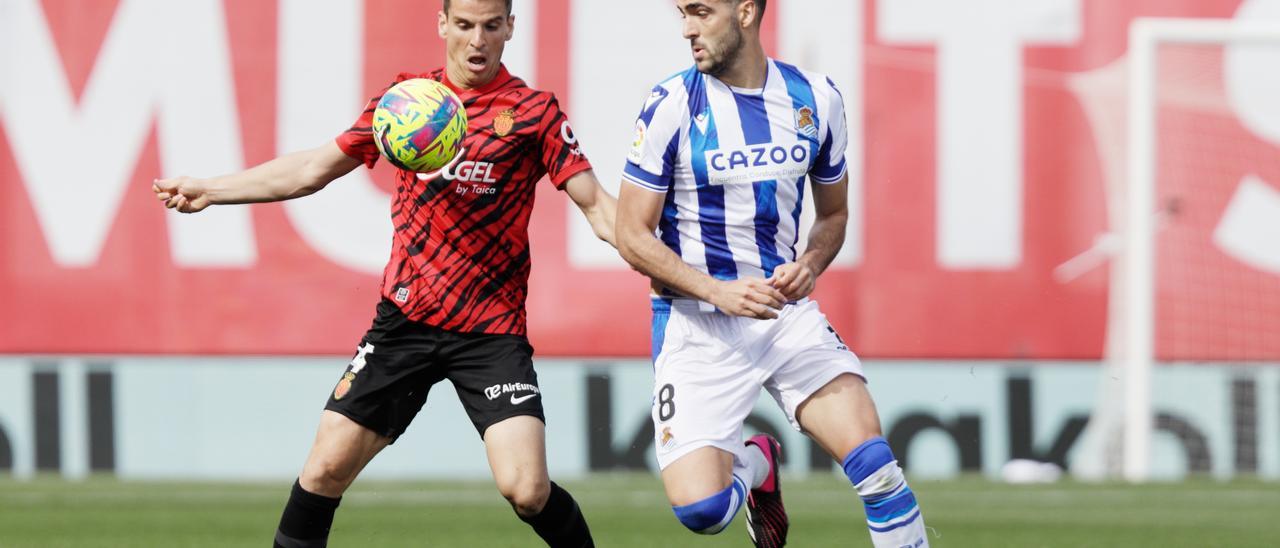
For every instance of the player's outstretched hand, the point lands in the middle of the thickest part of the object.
(749, 297)
(795, 280)
(185, 194)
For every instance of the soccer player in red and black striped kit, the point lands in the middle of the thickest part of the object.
(454, 290)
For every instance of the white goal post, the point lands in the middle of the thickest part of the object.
(1131, 321)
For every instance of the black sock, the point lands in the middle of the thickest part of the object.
(306, 520)
(561, 523)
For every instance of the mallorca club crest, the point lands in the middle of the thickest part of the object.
(357, 363)
(503, 122)
(804, 122)
(344, 385)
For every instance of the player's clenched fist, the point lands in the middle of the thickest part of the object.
(750, 297)
(185, 194)
(795, 280)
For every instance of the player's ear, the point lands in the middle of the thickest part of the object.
(511, 27)
(747, 13)
(442, 22)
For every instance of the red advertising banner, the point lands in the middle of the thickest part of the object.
(986, 140)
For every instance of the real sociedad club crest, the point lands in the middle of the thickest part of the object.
(668, 439)
(804, 122)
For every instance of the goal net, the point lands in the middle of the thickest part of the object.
(1196, 212)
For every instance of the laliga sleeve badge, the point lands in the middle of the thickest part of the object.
(636, 154)
(503, 122)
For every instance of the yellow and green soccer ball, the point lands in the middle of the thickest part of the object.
(419, 125)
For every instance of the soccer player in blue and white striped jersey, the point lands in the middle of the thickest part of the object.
(710, 211)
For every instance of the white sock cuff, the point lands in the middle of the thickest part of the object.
(751, 466)
(885, 480)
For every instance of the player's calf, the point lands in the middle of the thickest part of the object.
(893, 517)
(341, 449)
(306, 519)
(559, 521)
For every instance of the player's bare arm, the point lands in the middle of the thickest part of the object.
(638, 214)
(290, 176)
(831, 214)
(596, 204)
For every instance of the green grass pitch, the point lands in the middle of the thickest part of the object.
(630, 511)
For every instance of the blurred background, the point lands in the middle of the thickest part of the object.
(1063, 248)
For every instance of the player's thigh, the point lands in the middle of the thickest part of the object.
(813, 373)
(704, 387)
(387, 382)
(494, 378)
(342, 449)
(840, 416)
(517, 452)
(697, 475)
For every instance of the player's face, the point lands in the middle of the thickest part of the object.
(475, 32)
(712, 28)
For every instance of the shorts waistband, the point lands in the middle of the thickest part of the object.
(683, 305)
(692, 306)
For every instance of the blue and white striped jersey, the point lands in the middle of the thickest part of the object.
(733, 164)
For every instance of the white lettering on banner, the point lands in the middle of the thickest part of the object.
(980, 116)
(204, 438)
(1250, 227)
(753, 163)
(320, 92)
(838, 54)
(521, 54)
(186, 85)
(1251, 79)
(608, 83)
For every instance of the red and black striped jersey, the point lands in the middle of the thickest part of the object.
(460, 253)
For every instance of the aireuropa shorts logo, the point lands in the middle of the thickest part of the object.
(496, 391)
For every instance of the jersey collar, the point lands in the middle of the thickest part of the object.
(498, 80)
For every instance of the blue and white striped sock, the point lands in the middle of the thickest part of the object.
(893, 517)
(712, 514)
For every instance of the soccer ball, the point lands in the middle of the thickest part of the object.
(419, 125)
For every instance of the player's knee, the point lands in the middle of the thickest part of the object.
(527, 496)
(872, 468)
(328, 477)
(712, 514)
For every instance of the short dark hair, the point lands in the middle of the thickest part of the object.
(447, 2)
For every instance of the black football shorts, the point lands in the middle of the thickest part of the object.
(399, 360)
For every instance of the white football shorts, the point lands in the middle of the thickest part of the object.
(709, 368)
